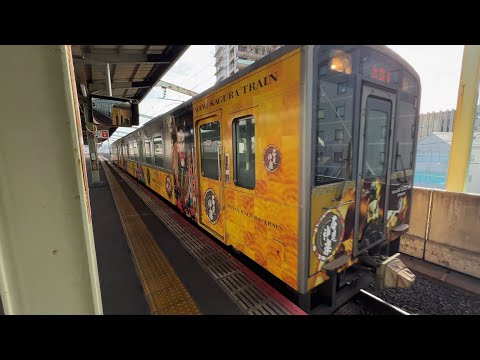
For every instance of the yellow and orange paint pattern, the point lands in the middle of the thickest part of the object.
(261, 222)
(155, 179)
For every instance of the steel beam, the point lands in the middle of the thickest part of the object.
(124, 58)
(120, 85)
(464, 120)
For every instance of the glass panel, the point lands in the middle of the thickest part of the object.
(158, 151)
(333, 113)
(405, 135)
(245, 152)
(209, 143)
(375, 141)
(148, 152)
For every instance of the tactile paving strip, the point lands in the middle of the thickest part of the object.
(165, 292)
(249, 291)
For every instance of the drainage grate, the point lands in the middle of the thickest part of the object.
(246, 289)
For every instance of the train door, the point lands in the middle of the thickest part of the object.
(376, 120)
(209, 150)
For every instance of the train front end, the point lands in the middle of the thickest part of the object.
(364, 115)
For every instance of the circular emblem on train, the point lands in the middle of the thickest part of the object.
(212, 206)
(169, 186)
(272, 158)
(328, 234)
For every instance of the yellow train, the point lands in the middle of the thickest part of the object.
(303, 161)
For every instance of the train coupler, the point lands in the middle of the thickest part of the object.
(390, 271)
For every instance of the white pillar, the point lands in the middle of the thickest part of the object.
(47, 254)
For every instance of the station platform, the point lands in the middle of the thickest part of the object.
(151, 260)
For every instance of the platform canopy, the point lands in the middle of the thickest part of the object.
(134, 70)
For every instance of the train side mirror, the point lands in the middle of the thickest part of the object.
(113, 112)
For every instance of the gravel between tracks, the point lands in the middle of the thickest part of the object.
(430, 297)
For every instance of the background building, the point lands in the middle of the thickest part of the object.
(433, 154)
(440, 121)
(231, 58)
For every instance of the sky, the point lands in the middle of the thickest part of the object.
(439, 69)
(437, 65)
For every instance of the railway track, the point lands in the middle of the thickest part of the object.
(365, 303)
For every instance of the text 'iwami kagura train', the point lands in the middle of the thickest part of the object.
(303, 161)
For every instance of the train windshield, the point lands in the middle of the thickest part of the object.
(340, 71)
(333, 115)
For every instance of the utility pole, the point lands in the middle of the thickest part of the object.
(92, 142)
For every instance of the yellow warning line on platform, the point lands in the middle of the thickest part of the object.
(165, 292)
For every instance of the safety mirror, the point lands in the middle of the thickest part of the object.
(110, 111)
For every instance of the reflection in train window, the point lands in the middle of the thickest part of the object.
(341, 112)
(321, 114)
(342, 88)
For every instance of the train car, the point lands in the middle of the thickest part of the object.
(303, 161)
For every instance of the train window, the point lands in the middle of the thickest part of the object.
(148, 152)
(244, 135)
(130, 152)
(209, 143)
(405, 132)
(141, 157)
(158, 151)
(378, 116)
(135, 151)
(333, 105)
